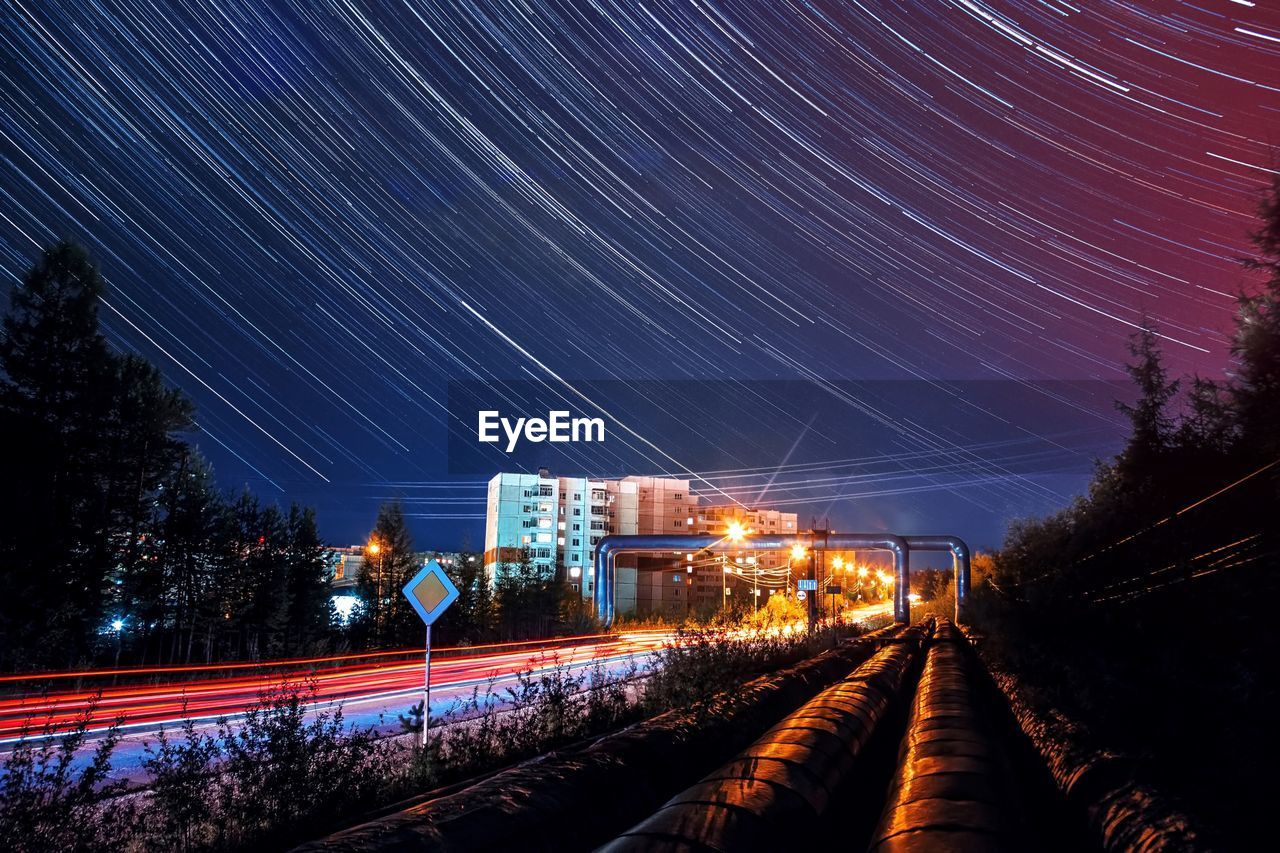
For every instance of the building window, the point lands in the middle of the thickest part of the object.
(544, 491)
(677, 523)
(577, 496)
(577, 543)
(679, 496)
(577, 510)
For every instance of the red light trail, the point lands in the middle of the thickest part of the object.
(345, 679)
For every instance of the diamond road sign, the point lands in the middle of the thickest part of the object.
(430, 592)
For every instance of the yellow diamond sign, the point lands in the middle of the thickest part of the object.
(430, 592)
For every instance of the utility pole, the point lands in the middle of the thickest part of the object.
(724, 583)
(755, 583)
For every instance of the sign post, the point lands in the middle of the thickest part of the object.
(430, 592)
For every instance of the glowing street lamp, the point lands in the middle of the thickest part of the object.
(736, 532)
(375, 547)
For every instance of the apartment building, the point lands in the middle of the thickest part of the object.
(559, 521)
(738, 577)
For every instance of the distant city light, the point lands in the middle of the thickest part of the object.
(344, 606)
(117, 624)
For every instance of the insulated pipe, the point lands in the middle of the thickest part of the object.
(959, 564)
(608, 549)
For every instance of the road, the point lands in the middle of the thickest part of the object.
(373, 689)
(365, 687)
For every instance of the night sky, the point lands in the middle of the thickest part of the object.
(314, 217)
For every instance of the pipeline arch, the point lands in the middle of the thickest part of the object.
(610, 547)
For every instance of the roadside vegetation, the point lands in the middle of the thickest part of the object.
(1144, 610)
(286, 772)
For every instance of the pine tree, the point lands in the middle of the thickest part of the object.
(470, 619)
(1152, 426)
(55, 398)
(1208, 425)
(308, 567)
(193, 543)
(385, 617)
(1256, 390)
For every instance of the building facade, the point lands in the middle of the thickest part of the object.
(742, 579)
(558, 521)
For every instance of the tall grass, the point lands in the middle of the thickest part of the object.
(287, 770)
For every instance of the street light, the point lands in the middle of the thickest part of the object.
(736, 532)
(117, 625)
(375, 548)
(797, 553)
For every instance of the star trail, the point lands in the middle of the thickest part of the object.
(313, 216)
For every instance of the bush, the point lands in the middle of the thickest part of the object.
(698, 664)
(547, 707)
(280, 773)
(181, 813)
(47, 804)
(274, 778)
